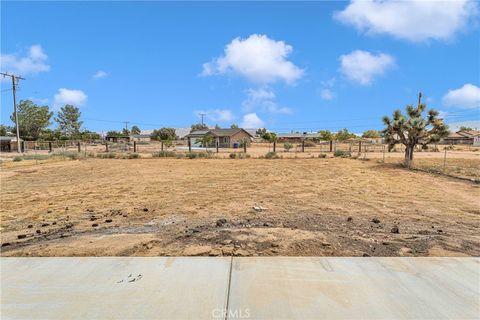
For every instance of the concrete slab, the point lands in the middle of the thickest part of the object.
(104, 288)
(355, 288)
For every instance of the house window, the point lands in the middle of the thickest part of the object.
(224, 139)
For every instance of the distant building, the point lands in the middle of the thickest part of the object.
(463, 137)
(8, 144)
(117, 138)
(227, 138)
(296, 137)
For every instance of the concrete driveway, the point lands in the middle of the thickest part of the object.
(240, 288)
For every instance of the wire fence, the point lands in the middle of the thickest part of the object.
(458, 160)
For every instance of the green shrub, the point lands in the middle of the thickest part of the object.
(132, 155)
(108, 155)
(180, 155)
(233, 155)
(36, 157)
(72, 155)
(239, 155)
(164, 154)
(287, 146)
(271, 155)
(341, 153)
(17, 158)
(191, 155)
(322, 155)
(206, 154)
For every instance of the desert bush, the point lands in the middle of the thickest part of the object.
(36, 157)
(309, 143)
(239, 155)
(191, 155)
(206, 154)
(164, 154)
(108, 155)
(341, 153)
(91, 154)
(132, 155)
(271, 155)
(17, 159)
(180, 155)
(287, 146)
(72, 155)
(322, 155)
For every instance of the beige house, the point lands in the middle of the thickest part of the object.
(226, 138)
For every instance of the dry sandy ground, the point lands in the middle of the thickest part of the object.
(321, 207)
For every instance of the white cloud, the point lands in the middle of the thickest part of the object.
(363, 66)
(42, 101)
(257, 58)
(467, 96)
(327, 94)
(33, 63)
(455, 126)
(66, 96)
(100, 74)
(262, 100)
(413, 20)
(252, 121)
(218, 115)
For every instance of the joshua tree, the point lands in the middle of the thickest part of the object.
(413, 129)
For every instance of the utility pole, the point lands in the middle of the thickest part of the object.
(126, 126)
(419, 98)
(202, 115)
(14, 89)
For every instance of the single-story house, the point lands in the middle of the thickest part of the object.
(227, 138)
(8, 144)
(463, 137)
(117, 138)
(296, 137)
(140, 137)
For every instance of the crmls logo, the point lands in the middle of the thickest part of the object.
(231, 314)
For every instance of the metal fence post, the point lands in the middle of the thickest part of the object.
(445, 159)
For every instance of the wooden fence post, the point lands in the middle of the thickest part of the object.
(189, 145)
(445, 159)
(161, 145)
(50, 149)
(245, 146)
(274, 146)
(134, 146)
(303, 145)
(360, 146)
(331, 145)
(217, 143)
(79, 147)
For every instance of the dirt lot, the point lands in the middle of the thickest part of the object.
(150, 207)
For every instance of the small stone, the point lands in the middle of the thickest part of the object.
(149, 245)
(226, 242)
(439, 230)
(145, 209)
(395, 229)
(30, 226)
(38, 231)
(49, 211)
(94, 225)
(349, 219)
(385, 243)
(108, 220)
(5, 244)
(69, 225)
(215, 252)
(93, 218)
(366, 255)
(375, 220)
(21, 236)
(268, 224)
(45, 224)
(221, 222)
(54, 223)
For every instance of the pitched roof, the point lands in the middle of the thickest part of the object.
(219, 132)
(298, 135)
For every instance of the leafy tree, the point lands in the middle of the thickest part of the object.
(68, 119)
(164, 134)
(87, 135)
(51, 135)
(463, 128)
(372, 134)
(114, 133)
(343, 135)
(413, 129)
(6, 130)
(198, 126)
(326, 135)
(287, 146)
(135, 130)
(234, 126)
(260, 132)
(32, 119)
(217, 126)
(125, 132)
(206, 140)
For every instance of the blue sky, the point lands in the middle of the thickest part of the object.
(287, 66)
